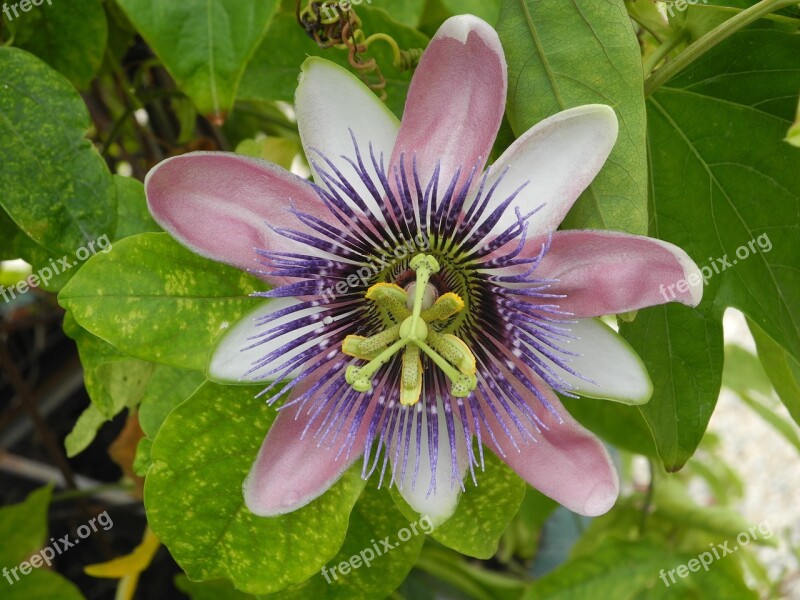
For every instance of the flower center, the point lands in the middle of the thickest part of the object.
(411, 311)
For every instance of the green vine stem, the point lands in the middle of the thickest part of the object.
(711, 39)
(662, 51)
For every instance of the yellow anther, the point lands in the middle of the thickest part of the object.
(368, 348)
(360, 378)
(454, 350)
(445, 307)
(411, 376)
(386, 290)
(392, 298)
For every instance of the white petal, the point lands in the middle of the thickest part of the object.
(239, 350)
(441, 504)
(616, 370)
(558, 157)
(330, 101)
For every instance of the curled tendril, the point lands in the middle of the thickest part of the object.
(331, 27)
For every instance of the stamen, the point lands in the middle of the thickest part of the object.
(369, 348)
(444, 308)
(411, 332)
(462, 384)
(392, 298)
(411, 378)
(454, 351)
(360, 378)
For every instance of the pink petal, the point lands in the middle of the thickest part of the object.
(293, 469)
(566, 462)
(605, 272)
(456, 100)
(221, 205)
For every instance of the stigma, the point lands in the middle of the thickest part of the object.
(414, 323)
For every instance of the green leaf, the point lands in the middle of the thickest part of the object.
(273, 72)
(521, 537)
(625, 570)
(55, 185)
(167, 388)
(280, 151)
(673, 503)
(84, 431)
(565, 54)
(683, 353)
(717, 161)
(616, 571)
(618, 424)
(193, 496)
(132, 214)
(69, 36)
(483, 511)
(142, 460)
(43, 585)
(488, 10)
(747, 84)
(768, 414)
(783, 370)
(155, 300)
(743, 373)
(204, 44)
(114, 381)
(407, 12)
(364, 569)
(793, 135)
(23, 527)
(8, 230)
(210, 590)
(451, 569)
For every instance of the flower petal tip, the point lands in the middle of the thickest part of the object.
(692, 276)
(460, 27)
(601, 499)
(270, 496)
(437, 507)
(604, 121)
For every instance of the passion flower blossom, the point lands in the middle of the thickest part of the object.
(422, 309)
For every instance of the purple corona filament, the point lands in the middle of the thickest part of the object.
(508, 321)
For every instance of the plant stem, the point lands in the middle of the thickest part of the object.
(648, 500)
(711, 39)
(644, 26)
(88, 492)
(662, 51)
(793, 21)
